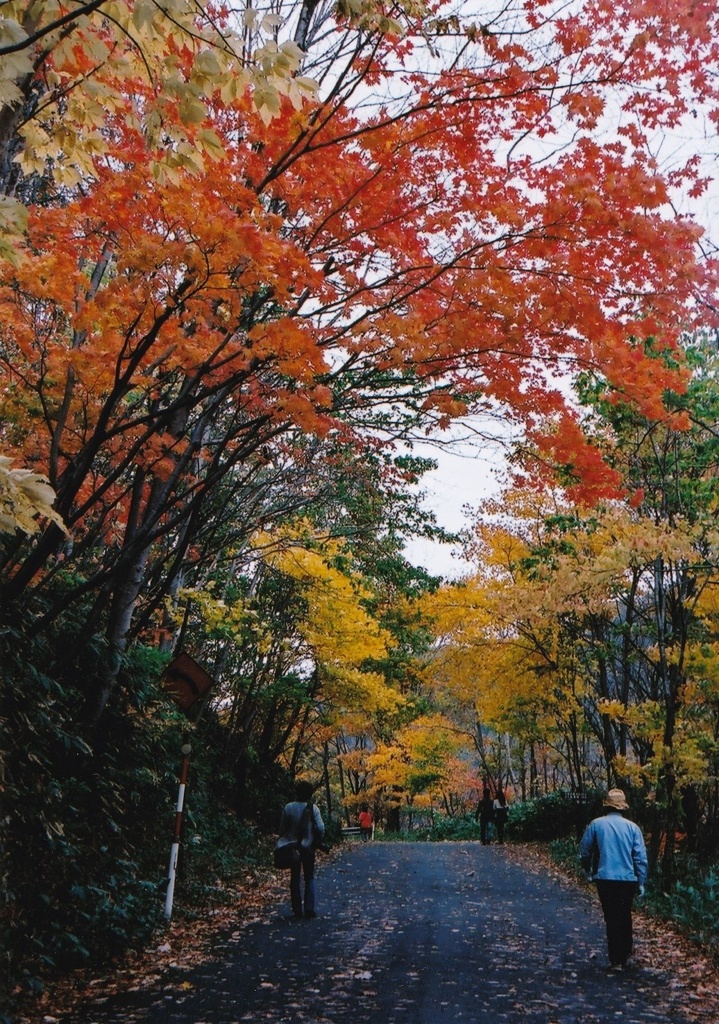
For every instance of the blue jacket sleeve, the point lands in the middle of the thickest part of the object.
(639, 856)
(586, 848)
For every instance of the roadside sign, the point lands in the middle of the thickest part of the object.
(186, 681)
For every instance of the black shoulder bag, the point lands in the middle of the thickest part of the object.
(288, 854)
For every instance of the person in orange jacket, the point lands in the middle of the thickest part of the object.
(365, 823)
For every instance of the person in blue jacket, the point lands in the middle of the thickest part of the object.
(614, 856)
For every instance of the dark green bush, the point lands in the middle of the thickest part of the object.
(565, 852)
(88, 816)
(87, 822)
(333, 832)
(442, 829)
(554, 816)
(457, 829)
(693, 904)
(217, 843)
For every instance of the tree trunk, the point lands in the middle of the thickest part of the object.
(326, 778)
(121, 612)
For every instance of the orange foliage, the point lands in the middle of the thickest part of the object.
(328, 259)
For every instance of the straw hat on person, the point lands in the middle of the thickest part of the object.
(616, 800)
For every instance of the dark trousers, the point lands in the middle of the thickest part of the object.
(306, 867)
(484, 829)
(616, 899)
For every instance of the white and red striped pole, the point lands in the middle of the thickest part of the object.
(175, 848)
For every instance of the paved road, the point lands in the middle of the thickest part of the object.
(416, 933)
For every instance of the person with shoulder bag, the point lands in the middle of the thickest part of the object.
(301, 833)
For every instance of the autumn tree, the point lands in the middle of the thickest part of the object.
(294, 646)
(596, 621)
(259, 312)
(235, 243)
(670, 476)
(502, 662)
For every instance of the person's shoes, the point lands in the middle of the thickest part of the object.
(615, 969)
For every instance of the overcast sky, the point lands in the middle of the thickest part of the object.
(469, 470)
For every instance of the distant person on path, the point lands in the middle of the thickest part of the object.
(614, 856)
(486, 815)
(501, 813)
(302, 823)
(365, 823)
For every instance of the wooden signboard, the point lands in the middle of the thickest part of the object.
(186, 681)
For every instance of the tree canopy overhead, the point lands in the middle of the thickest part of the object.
(231, 230)
(245, 253)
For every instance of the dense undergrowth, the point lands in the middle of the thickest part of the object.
(88, 815)
(543, 819)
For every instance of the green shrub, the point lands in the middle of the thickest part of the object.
(89, 818)
(565, 852)
(554, 816)
(442, 829)
(551, 817)
(86, 844)
(454, 829)
(693, 905)
(333, 832)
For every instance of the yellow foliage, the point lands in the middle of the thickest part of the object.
(157, 67)
(25, 498)
(231, 620)
(423, 756)
(340, 634)
(390, 767)
(338, 628)
(349, 687)
(488, 657)
(423, 801)
(430, 736)
(638, 775)
(545, 575)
